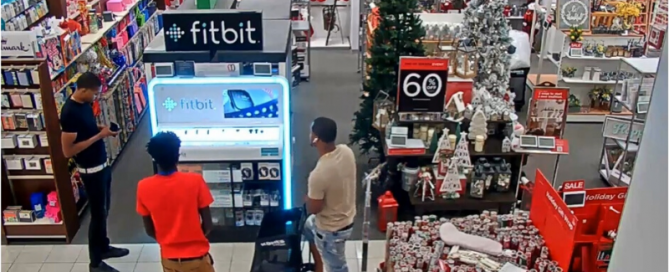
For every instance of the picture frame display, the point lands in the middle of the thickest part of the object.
(573, 13)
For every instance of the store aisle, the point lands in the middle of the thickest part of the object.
(146, 257)
(332, 92)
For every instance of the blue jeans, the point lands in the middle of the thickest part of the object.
(331, 245)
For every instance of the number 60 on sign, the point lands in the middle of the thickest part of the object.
(421, 85)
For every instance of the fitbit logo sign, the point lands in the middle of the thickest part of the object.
(213, 30)
(224, 34)
(188, 104)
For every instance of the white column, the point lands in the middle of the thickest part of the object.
(642, 235)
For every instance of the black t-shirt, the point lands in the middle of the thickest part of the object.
(78, 118)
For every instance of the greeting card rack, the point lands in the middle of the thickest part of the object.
(32, 156)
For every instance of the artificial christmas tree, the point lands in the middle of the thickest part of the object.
(399, 33)
(461, 157)
(486, 26)
(451, 185)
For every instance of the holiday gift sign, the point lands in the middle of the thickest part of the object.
(211, 30)
(554, 220)
(548, 112)
(422, 84)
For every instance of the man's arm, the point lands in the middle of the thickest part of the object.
(207, 223)
(148, 226)
(70, 149)
(316, 194)
(204, 200)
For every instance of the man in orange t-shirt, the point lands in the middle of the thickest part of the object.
(172, 204)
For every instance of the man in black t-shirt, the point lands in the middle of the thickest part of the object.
(82, 140)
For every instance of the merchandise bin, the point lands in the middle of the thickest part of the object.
(278, 245)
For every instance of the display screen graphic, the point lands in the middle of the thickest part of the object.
(215, 104)
(250, 104)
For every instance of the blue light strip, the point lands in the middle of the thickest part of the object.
(287, 126)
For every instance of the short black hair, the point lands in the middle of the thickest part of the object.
(325, 129)
(164, 149)
(89, 80)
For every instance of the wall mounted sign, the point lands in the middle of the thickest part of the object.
(573, 13)
(421, 85)
(656, 37)
(18, 43)
(212, 30)
(619, 128)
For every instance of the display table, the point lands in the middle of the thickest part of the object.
(501, 202)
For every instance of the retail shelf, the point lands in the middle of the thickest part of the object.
(632, 146)
(592, 58)
(626, 104)
(615, 174)
(593, 116)
(89, 40)
(300, 25)
(514, 17)
(30, 177)
(643, 65)
(593, 82)
(41, 221)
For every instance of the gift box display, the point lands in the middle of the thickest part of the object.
(483, 242)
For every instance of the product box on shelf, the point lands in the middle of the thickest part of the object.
(11, 213)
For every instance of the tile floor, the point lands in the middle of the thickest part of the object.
(228, 257)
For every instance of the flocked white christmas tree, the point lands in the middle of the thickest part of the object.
(478, 125)
(461, 156)
(444, 148)
(451, 183)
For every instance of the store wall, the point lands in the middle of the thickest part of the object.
(641, 243)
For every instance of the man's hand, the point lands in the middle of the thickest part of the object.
(106, 132)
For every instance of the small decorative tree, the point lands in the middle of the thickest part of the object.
(451, 185)
(462, 159)
(444, 149)
(478, 125)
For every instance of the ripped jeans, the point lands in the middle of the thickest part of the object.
(331, 245)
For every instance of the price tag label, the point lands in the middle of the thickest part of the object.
(422, 84)
(619, 129)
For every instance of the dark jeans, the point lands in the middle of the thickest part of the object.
(98, 190)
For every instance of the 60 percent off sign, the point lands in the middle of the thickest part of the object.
(422, 84)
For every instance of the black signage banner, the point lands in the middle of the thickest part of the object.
(200, 31)
(421, 84)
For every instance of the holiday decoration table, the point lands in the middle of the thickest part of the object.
(410, 204)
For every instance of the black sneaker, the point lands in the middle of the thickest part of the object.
(115, 252)
(102, 267)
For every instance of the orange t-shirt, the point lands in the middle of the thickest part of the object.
(173, 202)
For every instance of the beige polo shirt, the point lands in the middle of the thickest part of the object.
(334, 180)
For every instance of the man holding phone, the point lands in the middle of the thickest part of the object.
(82, 140)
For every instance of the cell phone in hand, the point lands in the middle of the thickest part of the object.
(114, 127)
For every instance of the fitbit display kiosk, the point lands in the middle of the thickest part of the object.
(229, 103)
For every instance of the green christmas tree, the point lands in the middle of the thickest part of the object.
(399, 33)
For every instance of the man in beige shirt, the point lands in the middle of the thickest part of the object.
(331, 198)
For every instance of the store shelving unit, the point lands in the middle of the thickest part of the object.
(622, 136)
(123, 102)
(50, 166)
(557, 54)
(301, 27)
(33, 11)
